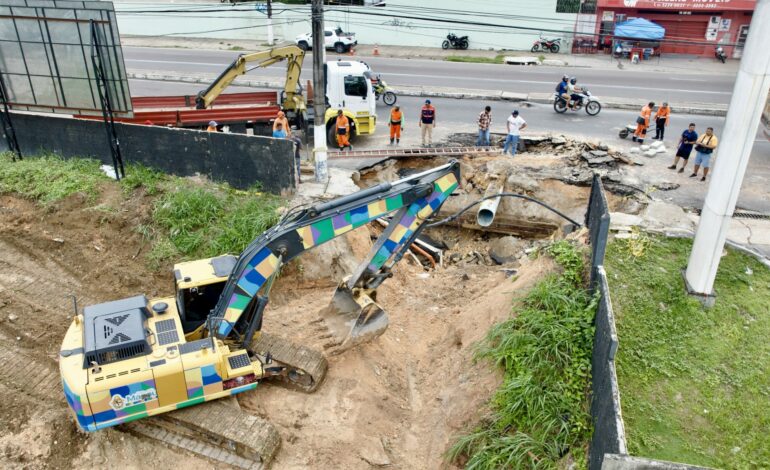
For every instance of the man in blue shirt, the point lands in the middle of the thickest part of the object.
(279, 133)
(561, 88)
(686, 141)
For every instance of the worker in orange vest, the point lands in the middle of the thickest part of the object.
(343, 131)
(643, 122)
(212, 127)
(396, 121)
(661, 120)
(283, 121)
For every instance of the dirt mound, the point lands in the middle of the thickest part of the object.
(395, 401)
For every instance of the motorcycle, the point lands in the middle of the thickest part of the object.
(457, 42)
(552, 45)
(591, 103)
(382, 89)
(719, 53)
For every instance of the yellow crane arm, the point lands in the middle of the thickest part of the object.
(292, 54)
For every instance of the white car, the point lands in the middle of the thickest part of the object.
(333, 39)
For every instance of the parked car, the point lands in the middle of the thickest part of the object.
(333, 39)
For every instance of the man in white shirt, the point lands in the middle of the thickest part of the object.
(515, 124)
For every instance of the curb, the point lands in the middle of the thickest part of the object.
(438, 92)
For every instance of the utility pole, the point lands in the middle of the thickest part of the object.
(319, 93)
(270, 38)
(746, 106)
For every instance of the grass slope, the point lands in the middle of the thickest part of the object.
(498, 59)
(541, 412)
(189, 219)
(694, 383)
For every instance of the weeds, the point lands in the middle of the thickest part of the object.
(540, 412)
(694, 382)
(498, 59)
(50, 178)
(138, 175)
(205, 221)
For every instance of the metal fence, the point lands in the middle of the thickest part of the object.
(608, 436)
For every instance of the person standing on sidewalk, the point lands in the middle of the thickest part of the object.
(395, 123)
(704, 147)
(284, 123)
(643, 122)
(427, 122)
(485, 121)
(343, 131)
(686, 141)
(515, 125)
(661, 120)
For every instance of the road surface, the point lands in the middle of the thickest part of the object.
(687, 86)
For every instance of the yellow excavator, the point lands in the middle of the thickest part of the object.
(347, 87)
(128, 359)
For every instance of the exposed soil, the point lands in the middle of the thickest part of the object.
(395, 401)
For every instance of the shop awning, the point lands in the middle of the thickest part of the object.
(639, 28)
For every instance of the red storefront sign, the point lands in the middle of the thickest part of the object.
(682, 5)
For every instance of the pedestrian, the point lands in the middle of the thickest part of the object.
(212, 127)
(427, 122)
(283, 121)
(643, 122)
(704, 147)
(278, 131)
(686, 141)
(661, 120)
(395, 123)
(343, 131)
(515, 125)
(485, 121)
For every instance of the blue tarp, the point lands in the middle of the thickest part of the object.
(639, 28)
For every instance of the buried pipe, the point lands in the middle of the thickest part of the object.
(488, 208)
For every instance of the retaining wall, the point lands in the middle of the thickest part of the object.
(237, 159)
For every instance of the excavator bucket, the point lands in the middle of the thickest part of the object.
(352, 318)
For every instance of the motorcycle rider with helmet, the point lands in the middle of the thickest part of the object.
(574, 93)
(562, 88)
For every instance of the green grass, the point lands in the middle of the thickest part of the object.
(541, 411)
(694, 382)
(50, 178)
(498, 59)
(138, 175)
(200, 221)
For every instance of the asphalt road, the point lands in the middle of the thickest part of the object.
(655, 86)
(455, 115)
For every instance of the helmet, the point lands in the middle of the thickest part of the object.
(573, 80)
(564, 78)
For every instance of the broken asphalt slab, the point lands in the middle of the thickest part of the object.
(709, 109)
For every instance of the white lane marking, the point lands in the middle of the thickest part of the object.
(537, 82)
(688, 79)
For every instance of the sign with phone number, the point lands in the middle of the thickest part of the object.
(681, 4)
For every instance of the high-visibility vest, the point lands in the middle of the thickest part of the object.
(395, 117)
(428, 114)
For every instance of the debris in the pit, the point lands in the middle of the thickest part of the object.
(596, 158)
(431, 252)
(505, 250)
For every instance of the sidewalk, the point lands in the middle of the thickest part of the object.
(672, 63)
(442, 92)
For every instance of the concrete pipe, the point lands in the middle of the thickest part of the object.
(488, 208)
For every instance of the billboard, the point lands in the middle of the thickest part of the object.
(46, 56)
(683, 5)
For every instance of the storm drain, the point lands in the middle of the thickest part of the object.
(743, 215)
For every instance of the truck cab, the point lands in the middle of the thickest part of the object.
(349, 89)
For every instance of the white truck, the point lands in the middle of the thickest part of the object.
(333, 39)
(349, 89)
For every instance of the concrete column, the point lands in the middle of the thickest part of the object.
(735, 145)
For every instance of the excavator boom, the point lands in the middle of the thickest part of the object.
(292, 96)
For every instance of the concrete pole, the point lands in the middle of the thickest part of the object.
(270, 38)
(737, 139)
(319, 93)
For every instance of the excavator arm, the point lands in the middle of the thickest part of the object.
(291, 97)
(353, 312)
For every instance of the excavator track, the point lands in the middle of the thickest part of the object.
(216, 430)
(306, 368)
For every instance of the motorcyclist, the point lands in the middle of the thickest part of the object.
(575, 93)
(562, 87)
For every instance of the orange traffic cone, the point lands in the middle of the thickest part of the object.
(376, 49)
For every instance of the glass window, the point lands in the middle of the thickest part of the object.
(573, 6)
(355, 86)
(328, 33)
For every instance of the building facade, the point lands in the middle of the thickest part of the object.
(694, 27)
